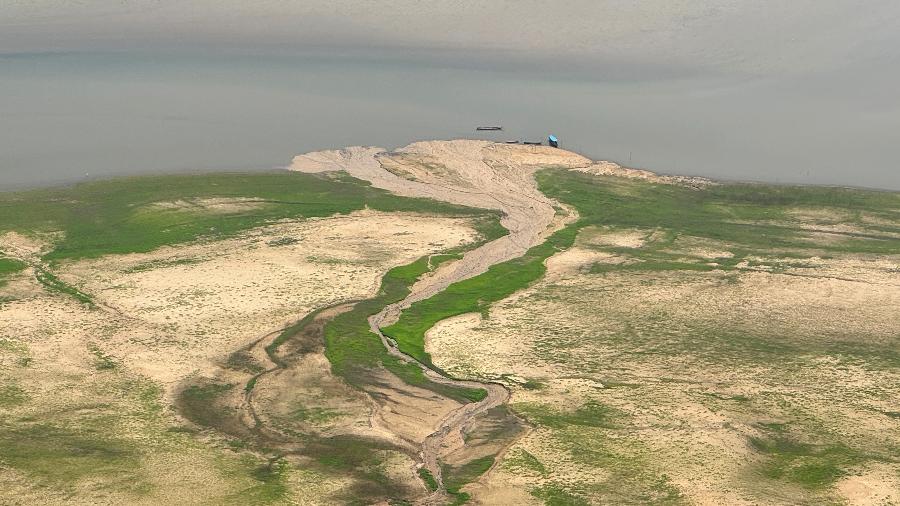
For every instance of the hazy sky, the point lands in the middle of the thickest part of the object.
(763, 89)
(738, 35)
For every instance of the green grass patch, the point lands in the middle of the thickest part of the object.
(314, 414)
(437, 260)
(457, 477)
(354, 350)
(648, 266)
(743, 215)
(428, 479)
(8, 267)
(589, 414)
(54, 284)
(198, 403)
(12, 395)
(65, 456)
(812, 466)
(473, 295)
(271, 482)
(717, 213)
(251, 384)
(523, 462)
(590, 436)
(102, 361)
(119, 215)
(286, 334)
(556, 494)
(267, 482)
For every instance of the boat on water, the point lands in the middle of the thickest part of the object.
(488, 128)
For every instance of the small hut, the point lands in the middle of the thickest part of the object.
(553, 141)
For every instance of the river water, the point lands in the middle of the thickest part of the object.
(73, 116)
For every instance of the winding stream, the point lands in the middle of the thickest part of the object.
(472, 173)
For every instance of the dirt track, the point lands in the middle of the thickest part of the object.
(473, 173)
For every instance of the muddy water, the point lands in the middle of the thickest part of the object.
(75, 116)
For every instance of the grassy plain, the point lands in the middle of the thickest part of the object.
(115, 292)
(733, 344)
(131, 215)
(744, 216)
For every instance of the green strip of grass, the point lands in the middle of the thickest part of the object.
(473, 295)
(811, 466)
(354, 350)
(118, 215)
(8, 267)
(743, 215)
(54, 284)
(428, 478)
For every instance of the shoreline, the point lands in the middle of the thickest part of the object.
(62, 183)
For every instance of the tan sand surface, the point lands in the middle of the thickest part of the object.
(681, 421)
(174, 313)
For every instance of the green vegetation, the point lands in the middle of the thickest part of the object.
(315, 414)
(555, 494)
(364, 460)
(437, 260)
(354, 350)
(590, 414)
(8, 267)
(742, 215)
(457, 477)
(102, 362)
(62, 455)
(54, 284)
(521, 461)
(76, 440)
(809, 465)
(718, 213)
(242, 360)
(270, 483)
(590, 435)
(141, 214)
(473, 295)
(640, 320)
(128, 215)
(428, 478)
(286, 334)
(198, 403)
